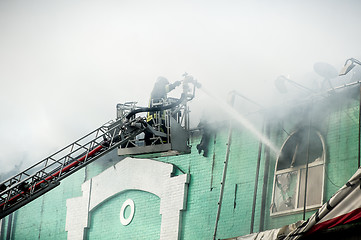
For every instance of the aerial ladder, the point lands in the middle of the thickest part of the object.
(130, 133)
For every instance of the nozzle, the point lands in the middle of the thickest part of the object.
(190, 79)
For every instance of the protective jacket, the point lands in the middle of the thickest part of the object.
(159, 93)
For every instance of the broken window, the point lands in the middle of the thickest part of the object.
(302, 146)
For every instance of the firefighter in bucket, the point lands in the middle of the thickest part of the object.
(158, 96)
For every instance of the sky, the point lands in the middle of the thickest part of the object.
(64, 65)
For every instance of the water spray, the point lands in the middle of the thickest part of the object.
(239, 118)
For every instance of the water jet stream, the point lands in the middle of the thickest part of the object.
(239, 118)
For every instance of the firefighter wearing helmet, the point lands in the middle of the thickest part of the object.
(158, 95)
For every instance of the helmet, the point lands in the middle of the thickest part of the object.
(162, 80)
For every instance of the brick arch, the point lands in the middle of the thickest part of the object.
(131, 174)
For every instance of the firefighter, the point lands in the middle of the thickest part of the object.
(160, 90)
(158, 95)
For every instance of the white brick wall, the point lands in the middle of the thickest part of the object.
(138, 174)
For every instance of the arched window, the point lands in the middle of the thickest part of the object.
(290, 173)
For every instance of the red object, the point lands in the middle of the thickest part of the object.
(63, 170)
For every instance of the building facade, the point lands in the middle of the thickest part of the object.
(242, 185)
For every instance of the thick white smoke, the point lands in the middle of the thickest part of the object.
(65, 65)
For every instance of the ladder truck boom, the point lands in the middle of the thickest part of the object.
(47, 174)
(123, 133)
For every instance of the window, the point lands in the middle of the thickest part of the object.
(290, 174)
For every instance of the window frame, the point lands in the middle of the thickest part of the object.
(297, 208)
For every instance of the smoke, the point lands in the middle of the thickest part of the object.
(65, 65)
(239, 118)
